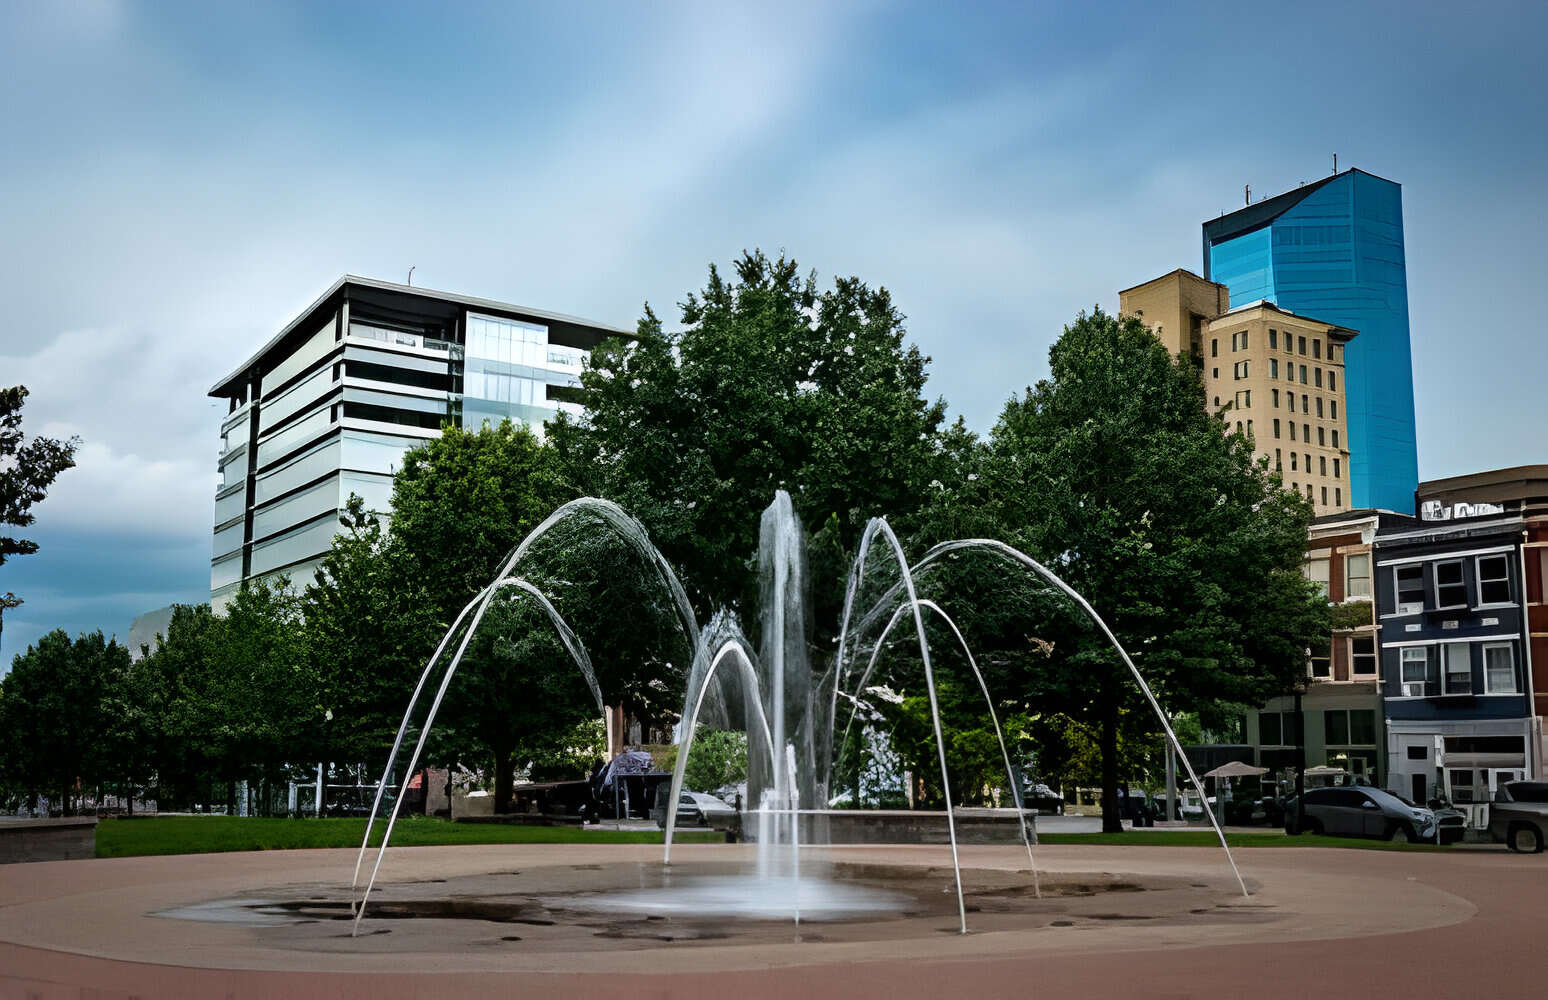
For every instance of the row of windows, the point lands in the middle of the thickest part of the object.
(1448, 588)
(1340, 727)
(1297, 466)
(1448, 666)
(1357, 575)
(1306, 429)
(1293, 344)
(1361, 653)
(1306, 404)
(1243, 369)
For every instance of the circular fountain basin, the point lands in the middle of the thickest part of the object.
(748, 897)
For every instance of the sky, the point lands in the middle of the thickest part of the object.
(179, 180)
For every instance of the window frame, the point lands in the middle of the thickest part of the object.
(1510, 652)
(1479, 580)
(1423, 662)
(1350, 576)
(1410, 608)
(1435, 583)
(1447, 652)
(1356, 657)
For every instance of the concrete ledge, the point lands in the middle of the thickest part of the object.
(904, 826)
(48, 839)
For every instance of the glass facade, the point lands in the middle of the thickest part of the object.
(1333, 251)
(509, 367)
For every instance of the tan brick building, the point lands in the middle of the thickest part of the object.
(1270, 374)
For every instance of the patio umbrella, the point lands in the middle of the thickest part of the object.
(1236, 769)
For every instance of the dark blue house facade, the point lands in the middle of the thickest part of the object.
(1455, 669)
(1333, 249)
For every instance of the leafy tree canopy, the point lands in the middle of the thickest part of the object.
(27, 470)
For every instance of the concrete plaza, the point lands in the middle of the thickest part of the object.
(1324, 922)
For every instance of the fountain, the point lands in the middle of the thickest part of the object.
(788, 711)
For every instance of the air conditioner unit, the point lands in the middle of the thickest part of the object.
(1413, 689)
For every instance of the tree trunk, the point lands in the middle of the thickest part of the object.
(505, 776)
(1112, 822)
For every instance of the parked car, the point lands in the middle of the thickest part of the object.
(1519, 815)
(1361, 812)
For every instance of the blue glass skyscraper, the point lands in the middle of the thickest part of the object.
(1333, 250)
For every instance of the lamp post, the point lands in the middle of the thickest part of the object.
(1300, 747)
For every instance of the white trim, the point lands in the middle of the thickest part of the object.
(1507, 637)
(1459, 694)
(1452, 528)
(1447, 555)
(1478, 581)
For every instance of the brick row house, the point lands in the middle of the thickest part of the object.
(1426, 686)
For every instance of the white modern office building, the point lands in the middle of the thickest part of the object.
(329, 405)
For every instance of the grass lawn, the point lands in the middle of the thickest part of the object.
(206, 834)
(1207, 838)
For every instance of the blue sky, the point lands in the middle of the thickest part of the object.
(179, 180)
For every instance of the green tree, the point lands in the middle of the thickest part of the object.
(27, 470)
(460, 504)
(369, 628)
(768, 385)
(1112, 473)
(54, 715)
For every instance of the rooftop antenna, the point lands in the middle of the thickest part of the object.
(1335, 163)
(1247, 193)
(411, 274)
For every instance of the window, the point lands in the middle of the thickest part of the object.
(1450, 591)
(1335, 722)
(1292, 437)
(1322, 437)
(1279, 462)
(1322, 659)
(1316, 348)
(1293, 466)
(1324, 496)
(1362, 655)
(1269, 731)
(1499, 668)
(1316, 571)
(1249, 423)
(1276, 427)
(1493, 580)
(1214, 373)
(1244, 340)
(1290, 402)
(1357, 574)
(1308, 469)
(1335, 468)
(1217, 402)
(1410, 589)
(1273, 368)
(1362, 727)
(1246, 397)
(1332, 405)
(1214, 349)
(1332, 384)
(1416, 666)
(1302, 345)
(1317, 379)
(1238, 427)
(1419, 752)
(1305, 406)
(1461, 782)
(1319, 406)
(1457, 668)
(1322, 466)
(1335, 437)
(1338, 496)
(1303, 382)
(1273, 339)
(1275, 391)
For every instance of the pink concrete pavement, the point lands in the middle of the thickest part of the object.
(1467, 925)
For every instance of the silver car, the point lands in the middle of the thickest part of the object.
(1519, 815)
(1360, 811)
